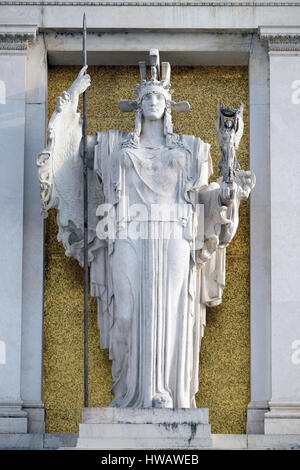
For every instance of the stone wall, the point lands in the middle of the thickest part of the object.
(225, 362)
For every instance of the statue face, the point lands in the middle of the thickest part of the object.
(153, 106)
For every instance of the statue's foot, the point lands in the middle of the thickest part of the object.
(162, 400)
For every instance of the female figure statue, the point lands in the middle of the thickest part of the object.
(158, 233)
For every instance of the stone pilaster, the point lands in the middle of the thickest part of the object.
(284, 49)
(13, 56)
(33, 237)
(260, 252)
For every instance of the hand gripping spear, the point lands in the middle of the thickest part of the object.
(85, 225)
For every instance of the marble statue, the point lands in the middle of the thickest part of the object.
(158, 232)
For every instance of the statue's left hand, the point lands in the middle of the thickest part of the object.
(228, 192)
(246, 183)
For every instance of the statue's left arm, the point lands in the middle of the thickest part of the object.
(221, 201)
(230, 197)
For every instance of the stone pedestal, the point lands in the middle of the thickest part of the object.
(153, 428)
(13, 419)
(283, 418)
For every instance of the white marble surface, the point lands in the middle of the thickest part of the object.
(284, 416)
(229, 18)
(33, 238)
(260, 248)
(227, 15)
(219, 441)
(106, 428)
(144, 416)
(12, 135)
(229, 441)
(178, 48)
(153, 338)
(22, 129)
(12, 425)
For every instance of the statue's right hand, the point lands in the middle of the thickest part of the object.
(82, 82)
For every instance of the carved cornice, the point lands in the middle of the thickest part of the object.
(281, 39)
(187, 3)
(16, 37)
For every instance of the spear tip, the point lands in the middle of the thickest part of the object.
(84, 56)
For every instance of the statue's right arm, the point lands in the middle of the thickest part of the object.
(60, 171)
(59, 164)
(79, 86)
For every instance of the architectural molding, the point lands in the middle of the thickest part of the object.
(127, 48)
(255, 417)
(281, 38)
(55, 441)
(283, 418)
(13, 419)
(214, 16)
(16, 36)
(155, 4)
(35, 411)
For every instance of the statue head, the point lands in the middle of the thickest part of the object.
(154, 97)
(153, 106)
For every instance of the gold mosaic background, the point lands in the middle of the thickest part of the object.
(224, 363)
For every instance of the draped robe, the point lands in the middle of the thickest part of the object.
(150, 278)
(154, 271)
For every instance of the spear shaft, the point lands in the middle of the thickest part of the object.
(85, 224)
